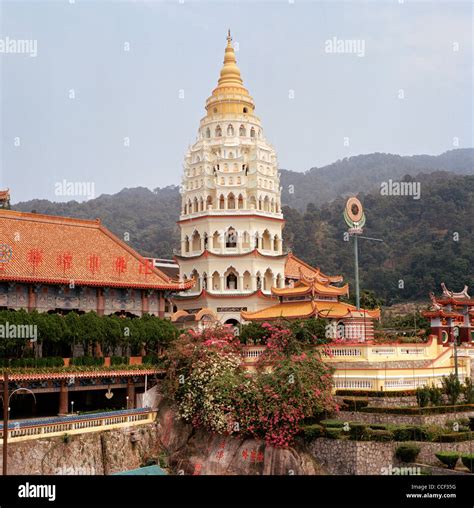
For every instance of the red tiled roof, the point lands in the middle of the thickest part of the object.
(58, 250)
(295, 267)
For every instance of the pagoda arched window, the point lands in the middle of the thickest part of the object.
(230, 130)
(231, 278)
(218, 131)
(221, 202)
(208, 133)
(196, 241)
(231, 238)
(266, 240)
(209, 202)
(195, 205)
(242, 131)
(247, 281)
(186, 243)
(231, 201)
(240, 202)
(216, 281)
(252, 132)
(266, 204)
(195, 275)
(215, 240)
(258, 279)
(268, 280)
(245, 240)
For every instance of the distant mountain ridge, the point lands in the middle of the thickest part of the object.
(149, 218)
(365, 173)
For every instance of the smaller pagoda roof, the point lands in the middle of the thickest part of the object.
(309, 308)
(295, 267)
(306, 286)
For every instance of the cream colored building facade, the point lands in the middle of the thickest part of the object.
(231, 221)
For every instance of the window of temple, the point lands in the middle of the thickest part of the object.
(242, 131)
(195, 275)
(245, 110)
(196, 205)
(252, 132)
(231, 279)
(268, 280)
(266, 240)
(260, 204)
(276, 243)
(258, 279)
(216, 281)
(209, 201)
(231, 238)
(218, 131)
(215, 240)
(208, 133)
(201, 204)
(253, 202)
(239, 180)
(266, 204)
(241, 199)
(186, 243)
(278, 280)
(230, 130)
(196, 241)
(206, 240)
(231, 201)
(221, 201)
(204, 280)
(245, 240)
(247, 280)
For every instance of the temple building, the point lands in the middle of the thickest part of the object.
(5, 199)
(314, 295)
(231, 221)
(231, 226)
(59, 264)
(452, 315)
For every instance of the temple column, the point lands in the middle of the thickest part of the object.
(31, 298)
(63, 399)
(241, 283)
(221, 286)
(130, 394)
(161, 305)
(100, 301)
(253, 282)
(202, 243)
(183, 246)
(145, 305)
(222, 240)
(239, 242)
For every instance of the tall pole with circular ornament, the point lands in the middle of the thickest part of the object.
(355, 218)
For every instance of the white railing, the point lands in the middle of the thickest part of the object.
(383, 351)
(353, 383)
(76, 427)
(342, 352)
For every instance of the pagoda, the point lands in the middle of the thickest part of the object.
(5, 199)
(231, 220)
(452, 315)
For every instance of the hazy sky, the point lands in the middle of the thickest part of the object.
(309, 99)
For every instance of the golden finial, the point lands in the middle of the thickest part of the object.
(229, 37)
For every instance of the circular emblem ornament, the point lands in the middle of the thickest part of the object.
(354, 215)
(5, 253)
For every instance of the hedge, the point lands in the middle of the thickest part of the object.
(430, 410)
(358, 431)
(355, 404)
(378, 435)
(51, 361)
(407, 452)
(468, 461)
(312, 431)
(333, 433)
(365, 393)
(90, 361)
(332, 423)
(453, 437)
(450, 459)
(118, 360)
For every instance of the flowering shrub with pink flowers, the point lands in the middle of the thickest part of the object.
(212, 390)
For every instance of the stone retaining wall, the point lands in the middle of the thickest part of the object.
(345, 457)
(440, 419)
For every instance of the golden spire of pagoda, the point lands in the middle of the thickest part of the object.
(230, 95)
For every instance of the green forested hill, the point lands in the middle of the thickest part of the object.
(427, 241)
(364, 173)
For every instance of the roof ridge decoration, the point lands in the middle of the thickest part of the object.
(452, 294)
